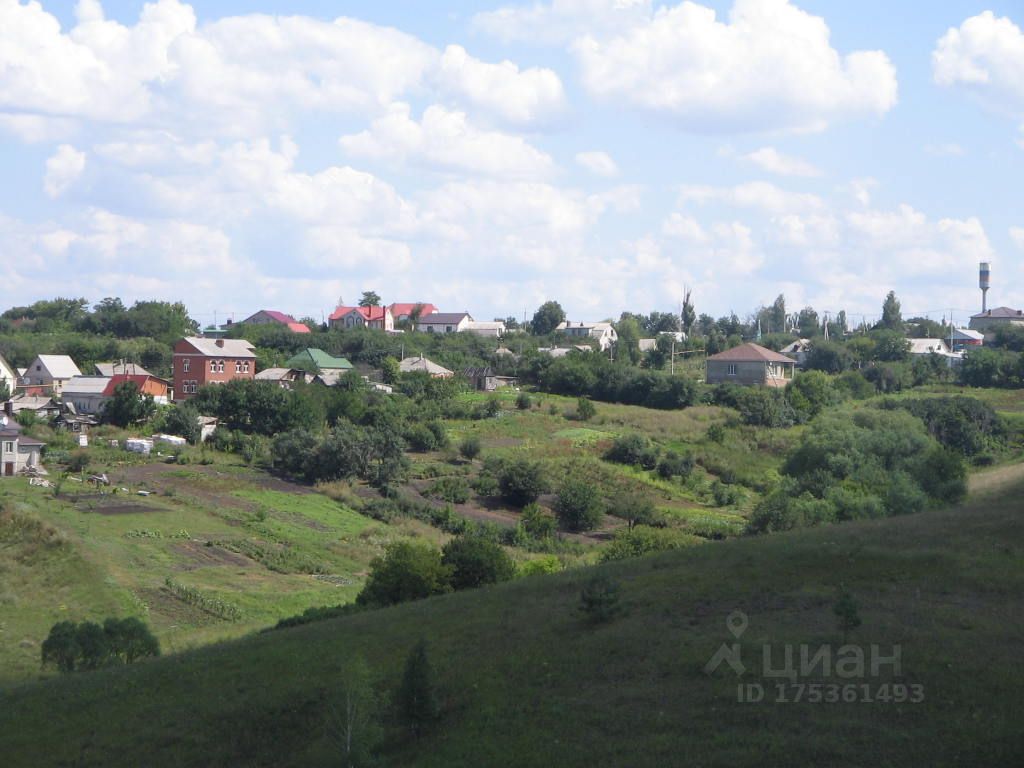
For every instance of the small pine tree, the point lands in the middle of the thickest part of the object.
(847, 615)
(417, 698)
(599, 599)
(585, 409)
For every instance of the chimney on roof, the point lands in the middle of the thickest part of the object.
(220, 342)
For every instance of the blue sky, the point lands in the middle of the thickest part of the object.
(604, 153)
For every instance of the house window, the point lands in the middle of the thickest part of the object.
(213, 366)
(732, 369)
(184, 365)
(430, 329)
(447, 329)
(9, 447)
(238, 366)
(245, 367)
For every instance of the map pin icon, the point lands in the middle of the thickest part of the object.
(737, 623)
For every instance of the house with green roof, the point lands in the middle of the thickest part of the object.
(316, 360)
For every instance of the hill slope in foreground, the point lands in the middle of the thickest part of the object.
(526, 682)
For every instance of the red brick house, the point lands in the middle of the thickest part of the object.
(199, 361)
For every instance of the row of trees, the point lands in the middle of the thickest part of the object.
(70, 647)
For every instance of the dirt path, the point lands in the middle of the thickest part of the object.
(995, 479)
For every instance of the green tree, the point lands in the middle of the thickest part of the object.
(537, 524)
(810, 393)
(891, 317)
(847, 614)
(183, 420)
(476, 561)
(635, 510)
(585, 409)
(353, 712)
(546, 318)
(406, 571)
(627, 346)
(390, 370)
(94, 645)
(470, 447)
(688, 315)
(578, 505)
(129, 639)
(417, 697)
(5, 391)
(521, 481)
(61, 648)
(128, 406)
(600, 600)
(369, 299)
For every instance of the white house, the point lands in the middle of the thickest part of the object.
(603, 333)
(921, 347)
(86, 393)
(444, 322)
(51, 372)
(18, 453)
(8, 375)
(495, 329)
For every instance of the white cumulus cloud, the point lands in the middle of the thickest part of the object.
(598, 163)
(771, 160)
(985, 56)
(63, 169)
(445, 139)
(770, 66)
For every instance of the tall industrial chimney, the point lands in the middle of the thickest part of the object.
(984, 283)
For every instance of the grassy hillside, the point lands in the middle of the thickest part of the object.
(526, 682)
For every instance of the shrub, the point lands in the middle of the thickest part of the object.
(675, 464)
(440, 434)
(88, 645)
(451, 489)
(421, 438)
(545, 564)
(585, 409)
(475, 561)
(521, 482)
(578, 505)
(643, 540)
(633, 449)
(406, 571)
(523, 401)
(724, 495)
(635, 510)
(417, 698)
(716, 433)
(470, 447)
(599, 599)
(486, 484)
(537, 523)
(78, 461)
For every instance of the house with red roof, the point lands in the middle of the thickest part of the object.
(750, 364)
(403, 311)
(362, 317)
(270, 316)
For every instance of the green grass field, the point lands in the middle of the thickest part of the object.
(526, 682)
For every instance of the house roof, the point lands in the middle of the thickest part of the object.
(276, 374)
(86, 385)
(311, 358)
(139, 381)
(481, 325)
(967, 333)
(110, 369)
(369, 314)
(750, 353)
(221, 347)
(399, 309)
(1003, 312)
(445, 318)
(280, 317)
(800, 345)
(412, 364)
(59, 366)
(31, 403)
(928, 346)
(474, 372)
